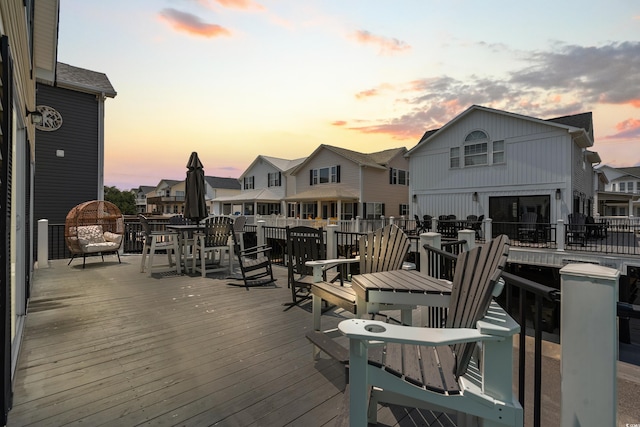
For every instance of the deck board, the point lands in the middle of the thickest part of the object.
(108, 345)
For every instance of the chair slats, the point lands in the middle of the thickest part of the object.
(383, 250)
(393, 359)
(476, 273)
(411, 364)
(437, 369)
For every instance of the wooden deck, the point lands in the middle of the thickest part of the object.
(108, 345)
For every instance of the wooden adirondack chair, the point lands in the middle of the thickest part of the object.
(436, 368)
(382, 250)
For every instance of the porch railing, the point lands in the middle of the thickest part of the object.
(622, 234)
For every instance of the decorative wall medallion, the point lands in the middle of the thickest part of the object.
(51, 118)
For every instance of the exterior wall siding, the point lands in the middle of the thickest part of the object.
(538, 160)
(377, 188)
(63, 182)
(349, 171)
(260, 172)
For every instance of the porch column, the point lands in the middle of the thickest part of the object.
(435, 241)
(589, 342)
(43, 243)
(260, 232)
(469, 236)
(560, 235)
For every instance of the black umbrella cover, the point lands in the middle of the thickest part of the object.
(195, 207)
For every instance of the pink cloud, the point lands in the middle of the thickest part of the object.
(627, 129)
(339, 123)
(240, 4)
(191, 24)
(387, 45)
(374, 91)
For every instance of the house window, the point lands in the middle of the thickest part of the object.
(325, 175)
(475, 148)
(398, 177)
(454, 157)
(309, 210)
(274, 179)
(404, 210)
(623, 187)
(248, 183)
(373, 210)
(498, 151)
(268, 209)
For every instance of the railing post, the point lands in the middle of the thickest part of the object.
(589, 345)
(487, 231)
(560, 235)
(469, 236)
(435, 241)
(332, 241)
(392, 220)
(43, 243)
(260, 232)
(357, 228)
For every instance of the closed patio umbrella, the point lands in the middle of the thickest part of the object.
(195, 207)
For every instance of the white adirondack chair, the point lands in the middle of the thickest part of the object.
(464, 368)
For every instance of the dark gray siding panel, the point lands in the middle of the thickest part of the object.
(63, 182)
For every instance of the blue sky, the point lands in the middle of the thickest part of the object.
(233, 79)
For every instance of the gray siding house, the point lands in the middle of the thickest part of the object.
(70, 149)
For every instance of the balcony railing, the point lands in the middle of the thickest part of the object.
(159, 200)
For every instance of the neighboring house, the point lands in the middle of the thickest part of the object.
(219, 187)
(502, 165)
(334, 182)
(166, 198)
(620, 194)
(141, 197)
(263, 188)
(28, 52)
(70, 149)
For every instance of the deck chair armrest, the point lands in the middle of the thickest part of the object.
(498, 322)
(367, 330)
(329, 263)
(319, 266)
(164, 233)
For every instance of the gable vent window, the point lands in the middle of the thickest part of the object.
(475, 148)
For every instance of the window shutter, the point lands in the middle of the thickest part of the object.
(383, 209)
(268, 179)
(390, 175)
(338, 173)
(311, 177)
(364, 210)
(279, 179)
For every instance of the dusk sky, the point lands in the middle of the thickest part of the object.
(233, 79)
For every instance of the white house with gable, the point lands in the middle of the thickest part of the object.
(263, 188)
(501, 165)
